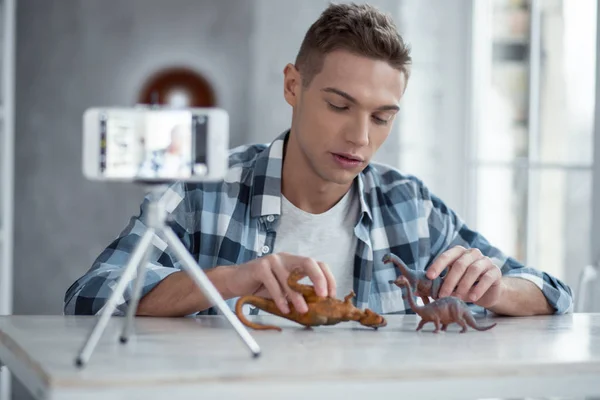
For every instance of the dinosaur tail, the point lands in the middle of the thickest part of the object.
(264, 304)
(473, 324)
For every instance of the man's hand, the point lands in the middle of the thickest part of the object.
(467, 267)
(267, 276)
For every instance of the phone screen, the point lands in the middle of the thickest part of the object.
(153, 144)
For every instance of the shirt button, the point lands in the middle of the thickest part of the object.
(265, 249)
(270, 218)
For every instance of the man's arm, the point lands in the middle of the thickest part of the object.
(178, 295)
(265, 276)
(521, 297)
(88, 294)
(510, 287)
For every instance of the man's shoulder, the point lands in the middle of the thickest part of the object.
(392, 183)
(241, 164)
(245, 156)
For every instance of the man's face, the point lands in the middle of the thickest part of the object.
(342, 118)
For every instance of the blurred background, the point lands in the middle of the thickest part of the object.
(498, 118)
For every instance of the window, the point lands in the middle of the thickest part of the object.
(533, 94)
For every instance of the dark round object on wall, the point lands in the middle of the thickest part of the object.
(177, 87)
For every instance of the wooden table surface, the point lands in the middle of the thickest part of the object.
(181, 358)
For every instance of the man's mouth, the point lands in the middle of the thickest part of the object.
(347, 160)
(349, 157)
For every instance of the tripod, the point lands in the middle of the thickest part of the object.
(157, 217)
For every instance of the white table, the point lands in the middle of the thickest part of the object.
(185, 358)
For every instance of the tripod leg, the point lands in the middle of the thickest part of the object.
(208, 288)
(135, 299)
(111, 304)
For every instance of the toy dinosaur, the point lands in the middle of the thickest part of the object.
(443, 311)
(424, 287)
(321, 310)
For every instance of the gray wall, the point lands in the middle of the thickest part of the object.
(75, 54)
(436, 107)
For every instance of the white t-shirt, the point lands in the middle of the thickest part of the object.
(327, 237)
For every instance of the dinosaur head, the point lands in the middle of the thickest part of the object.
(372, 319)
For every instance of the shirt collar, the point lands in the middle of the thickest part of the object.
(266, 186)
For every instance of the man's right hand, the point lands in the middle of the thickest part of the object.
(267, 277)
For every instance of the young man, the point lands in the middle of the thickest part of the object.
(314, 199)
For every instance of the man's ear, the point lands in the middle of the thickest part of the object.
(291, 84)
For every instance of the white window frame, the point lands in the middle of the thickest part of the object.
(7, 121)
(595, 231)
(480, 51)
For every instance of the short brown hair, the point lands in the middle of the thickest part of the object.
(361, 29)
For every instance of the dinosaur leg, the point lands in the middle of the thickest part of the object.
(349, 297)
(444, 327)
(462, 323)
(436, 321)
(456, 315)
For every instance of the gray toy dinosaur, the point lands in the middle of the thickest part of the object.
(424, 287)
(442, 312)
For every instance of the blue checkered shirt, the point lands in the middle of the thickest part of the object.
(235, 221)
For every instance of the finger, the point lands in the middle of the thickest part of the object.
(445, 259)
(473, 272)
(316, 275)
(486, 281)
(331, 284)
(457, 270)
(296, 298)
(271, 282)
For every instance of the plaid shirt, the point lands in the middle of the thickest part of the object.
(235, 221)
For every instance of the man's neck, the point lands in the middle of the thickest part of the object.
(303, 187)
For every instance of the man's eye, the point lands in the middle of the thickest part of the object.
(380, 121)
(337, 108)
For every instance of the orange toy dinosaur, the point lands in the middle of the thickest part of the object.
(321, 310)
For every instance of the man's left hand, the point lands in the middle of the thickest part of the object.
(465, 268)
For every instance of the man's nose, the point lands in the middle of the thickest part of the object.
(358, 132)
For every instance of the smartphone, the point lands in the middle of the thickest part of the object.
(155, 144)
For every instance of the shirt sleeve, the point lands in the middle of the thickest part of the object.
(447, 230)
(88, 294)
